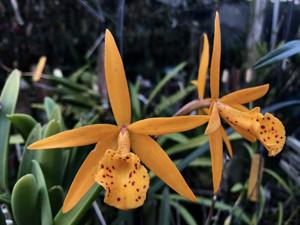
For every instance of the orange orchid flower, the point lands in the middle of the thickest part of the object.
(251, 124)
(111, 164)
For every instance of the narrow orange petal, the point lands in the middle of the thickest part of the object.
(246, 134)
(227, 142)
(245, 95)
(214, 120)
(116, 82)
(166, 125)
(86, 135)
(159, 162)
(215, 61)
(85, 177)
(39, 69)
(203, 67)
(216, 152)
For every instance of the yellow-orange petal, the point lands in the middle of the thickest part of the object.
(86, 135)
(39, 69)
(227, 142)
(85, 177)
(216, 152)
(116, 82)
(245, 95)
(214, 120)
(166, 125)
(155, 158)
(239, 107)
(202, 71)
(215, 61)
(123, 177)
(271, 133)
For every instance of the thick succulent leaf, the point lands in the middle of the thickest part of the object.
(73, 217)
(46, 213)
(25, 202)
(8, 100)
(53, 163)
(23, 122)
(25, 163)
(56, 197)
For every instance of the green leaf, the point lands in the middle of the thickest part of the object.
(53, 111)
(279, 180)
(26, 164)
(56, 196)
(237, 212)
(136, 106)
(163, 82)
(24, 201)
(288, 49)
(23, 122)
(165, 210)
(178, 137)
(46, 214)
(202, 162)
(237, 188)
(186, 215)
(54, 161)
(173, 99)
(8, 100)
(192, 143)
(73, 217)
(280, 213)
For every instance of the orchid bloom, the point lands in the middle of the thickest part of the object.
(111, 164)
(251, 124)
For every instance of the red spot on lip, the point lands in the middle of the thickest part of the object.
(132, 183)
(118, 199)
(262, 127)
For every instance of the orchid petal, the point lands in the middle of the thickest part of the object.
(227, 142)
(123, 177)
(86, 135)
(271, 133)
(245, 95)
(216, 152)
(214, 120)
(203, 67)
(166, 125)
(155, 158)
(116, 82)
(85, 177)
(215, 61)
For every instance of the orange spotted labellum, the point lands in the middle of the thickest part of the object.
(251, 124)
(112, 164)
